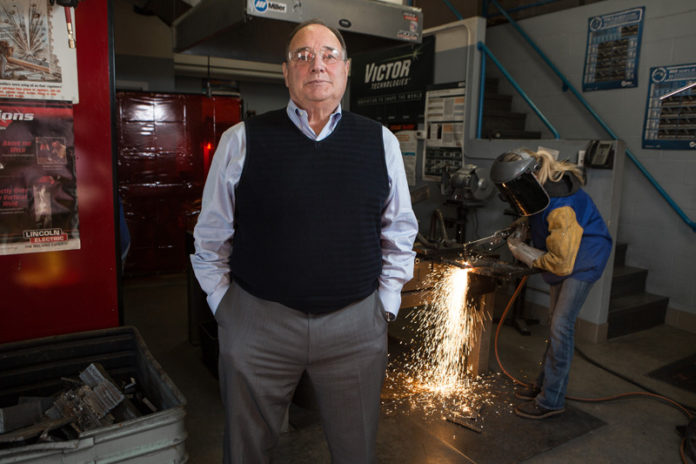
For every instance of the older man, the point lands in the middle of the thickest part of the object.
(303, 244)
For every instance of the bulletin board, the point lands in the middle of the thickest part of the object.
(613, 49)
(670, 123)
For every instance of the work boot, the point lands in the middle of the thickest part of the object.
(531, 410)
(528, 392)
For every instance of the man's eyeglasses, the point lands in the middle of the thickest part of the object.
(328, 55)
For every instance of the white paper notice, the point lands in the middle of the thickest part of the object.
(409, 145)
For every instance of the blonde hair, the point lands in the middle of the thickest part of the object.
(549, 169)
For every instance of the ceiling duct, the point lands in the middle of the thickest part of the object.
(257, 30)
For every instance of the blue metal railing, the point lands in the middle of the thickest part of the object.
(567, 85)
(517, 8)
(481, 46)
(453, 9)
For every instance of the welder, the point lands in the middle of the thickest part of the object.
(570, 244)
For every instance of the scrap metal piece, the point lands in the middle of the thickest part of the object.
(107, 395)
(469, 422)
(35, 430)
(20, 415)
(92, 402)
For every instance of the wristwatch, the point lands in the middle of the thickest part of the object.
(389, 317)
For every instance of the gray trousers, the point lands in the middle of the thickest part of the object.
(264, 349)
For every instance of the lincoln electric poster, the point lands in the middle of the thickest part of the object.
(38, 189)
(36, 60)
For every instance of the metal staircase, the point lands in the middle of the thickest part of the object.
(499, 121)
(631, 308)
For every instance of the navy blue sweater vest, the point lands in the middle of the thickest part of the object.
(308, 214)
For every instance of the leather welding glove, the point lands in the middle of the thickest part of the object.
(520, 229)
(523, 252)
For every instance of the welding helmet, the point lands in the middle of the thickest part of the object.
(513, 175)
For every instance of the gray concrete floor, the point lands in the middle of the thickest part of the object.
(636, 430)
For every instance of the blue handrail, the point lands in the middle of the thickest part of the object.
(453, 9)
(517, 87)
(520, 8)
(581, 99)
(482, 91)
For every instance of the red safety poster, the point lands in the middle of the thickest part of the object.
(38, 189)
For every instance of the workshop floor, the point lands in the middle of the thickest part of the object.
(635, 430)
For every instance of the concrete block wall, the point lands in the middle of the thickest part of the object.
(658, 239)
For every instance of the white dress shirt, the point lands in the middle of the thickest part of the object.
(215, 228)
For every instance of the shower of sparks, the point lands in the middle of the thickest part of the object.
(449, 326)
(435, 377)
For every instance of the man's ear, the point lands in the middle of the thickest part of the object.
(284, 65)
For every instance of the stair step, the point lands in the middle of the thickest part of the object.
(491, 84)
(628, 280)
(632, 313)
(509, 134)
(497, 102)
(620, 254)
(503, 120)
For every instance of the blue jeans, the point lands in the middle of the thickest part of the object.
(566, 301)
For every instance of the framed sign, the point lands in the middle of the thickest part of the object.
(670, 114)
(613, 48)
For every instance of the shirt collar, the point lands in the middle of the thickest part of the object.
(299, 117)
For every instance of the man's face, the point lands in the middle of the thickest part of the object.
(316, 82)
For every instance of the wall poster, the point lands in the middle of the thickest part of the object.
(445, 107)
(38, 189)
(670, 114)
(36, 58)
(613, 48)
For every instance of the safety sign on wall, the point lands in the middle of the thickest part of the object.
(38, 189)
(670, 114)
(613, 49)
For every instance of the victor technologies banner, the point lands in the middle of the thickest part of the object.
(389, 85)
(38, 189)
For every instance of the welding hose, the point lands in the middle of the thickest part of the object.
(514, 296)
(649, 394)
